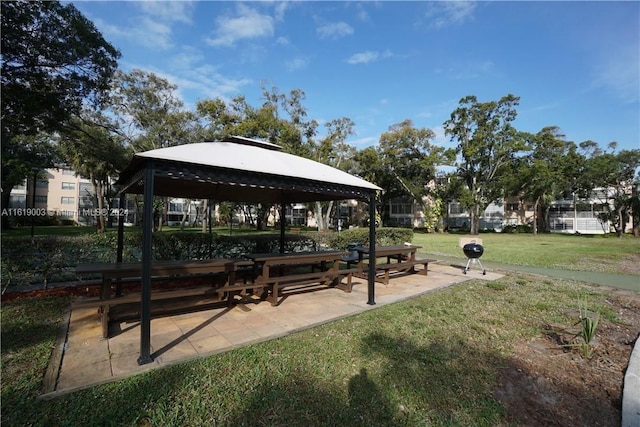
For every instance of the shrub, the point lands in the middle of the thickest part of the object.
(384, 236)
(512, 229)
(48, 259)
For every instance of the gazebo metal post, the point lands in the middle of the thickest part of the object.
(372, 250)
(283, 213)
(120, 250)
(209, 203)
(147, 229)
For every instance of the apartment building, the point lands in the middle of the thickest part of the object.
(60, 193)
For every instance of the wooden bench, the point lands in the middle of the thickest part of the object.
(104, 306)
(279, 271)
(399, 258)
(170, 269)
(402, 267)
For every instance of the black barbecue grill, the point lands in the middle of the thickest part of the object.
(473, 251)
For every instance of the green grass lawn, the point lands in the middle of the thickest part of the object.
(558, 251)
(432, 360)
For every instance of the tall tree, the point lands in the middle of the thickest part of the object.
(53, 61)
(410, 161)
(152, 116)
(280, 120)
(150, 113)
(333, 150)
(92, 148)
(546, 172)
(614, 174)
(486, 142)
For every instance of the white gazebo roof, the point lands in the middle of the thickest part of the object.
(242, 169)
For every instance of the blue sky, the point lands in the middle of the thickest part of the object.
(575, 65)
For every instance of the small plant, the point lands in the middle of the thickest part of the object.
(588, 325)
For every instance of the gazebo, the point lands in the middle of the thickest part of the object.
(236, 169)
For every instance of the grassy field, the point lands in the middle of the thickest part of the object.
(558, 251)
(432, 360)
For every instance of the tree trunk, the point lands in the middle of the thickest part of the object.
(535, 216)
(621, 222)
(319, 218)
(205, 215)
(185, 213)
(163, 212)
(97, 191)
(475, 220)
(323, 217)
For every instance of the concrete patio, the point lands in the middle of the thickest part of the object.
(83, 358)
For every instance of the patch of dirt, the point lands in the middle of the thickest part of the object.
(553, 385)
(629, 264)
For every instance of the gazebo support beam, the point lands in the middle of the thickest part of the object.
(147, 230)
(371, 285)
(283, 220)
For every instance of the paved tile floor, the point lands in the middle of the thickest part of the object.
(89, 359)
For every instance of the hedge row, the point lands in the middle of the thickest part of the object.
(42, 260)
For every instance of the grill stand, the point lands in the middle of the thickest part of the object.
(472, 261)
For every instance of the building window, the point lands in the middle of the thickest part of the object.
(41, 199)
(41, 183)
(455, 208)
(68, 186)
(67, 200)
(18, 201)
(86, 189)
(400, 208)
(512, 207)
(68, 172)
(176, 207)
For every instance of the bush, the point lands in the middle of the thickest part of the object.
(48, 259)
(513, 229)
(384, 236)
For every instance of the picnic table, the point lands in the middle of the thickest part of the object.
(395, 259)
(164, 269)
(275, 272)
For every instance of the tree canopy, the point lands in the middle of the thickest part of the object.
(54, 60)
(487, 141)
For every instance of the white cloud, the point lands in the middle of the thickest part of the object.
(153, 28)
(334, 30)
(445, 13)
(368, 56)
(170, 11)
(363, 57)
(147, 32)
(248, 24)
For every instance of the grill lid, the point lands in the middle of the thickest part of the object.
(473, 250)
